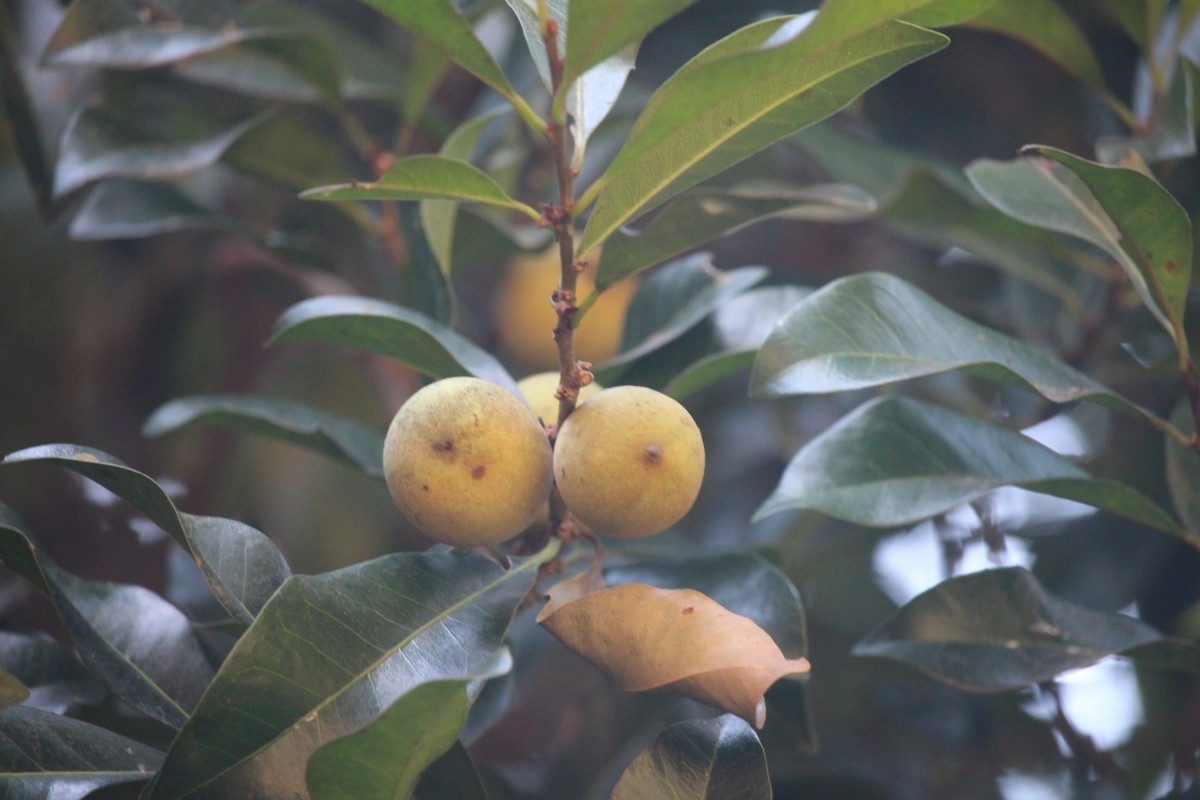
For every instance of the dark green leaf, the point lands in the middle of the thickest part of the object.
(1183, 471)
(385, 759)
(426, 177)
(19, 121)
(1122, 211)
(326, 433)
(12, 691)
(138, 644)
(739, 96)
(598, 29)
(350, 643)
(452, 775)
(703, 215)
(97, 145)
(873, 329)
(439, 22)
(701, 758)
(120, 209)
(895, 461)
(275, 65)
(1000, 630)
(57, 679)
(137, 46)
(392, 331)
(241, 566)
(672, 301)
(45, 755)
(431, 287)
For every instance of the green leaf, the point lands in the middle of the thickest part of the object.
(12, 691)
(426, 177)
(999, 630)
(1172, 126)
(273, 65)
(700, 758)
(452, 775)
(599, 29)
(392, 331)
(1122, 211)
(138, 644)
(741, 95)
(386, 758)
(1183, 470)
(326, 433)
(439, 217)
(119, 209)
(948, 12)
(741, 325)
(895, 461)
(45, 755)
(700, 216)
(135, 46)
(430, 285)
(350, 642)
(440, 23)
(672, 301)
(97, 145)
(240, 565)
(873, 329)
(19, 122)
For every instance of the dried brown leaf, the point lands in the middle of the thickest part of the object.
(675, 640)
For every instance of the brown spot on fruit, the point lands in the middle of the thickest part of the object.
(444, 446)
(688, 610)
(652, 454)
(424, 487)
(477, 473)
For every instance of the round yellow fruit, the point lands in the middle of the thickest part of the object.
(525, 319)
(629, 462)
(467, 462)
(538, 390)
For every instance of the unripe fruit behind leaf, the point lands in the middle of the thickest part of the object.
(538, 390)
(467, 462)
(629, 461)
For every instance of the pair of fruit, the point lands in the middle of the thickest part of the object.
(469, 464)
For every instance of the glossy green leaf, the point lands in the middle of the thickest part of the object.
(1000, 630)
(873, 329)
(57, 680)
(97, 145)
(392, 331)
(241, 565)
(119, 209)
(12, 691)
(526, 12)
(741, 325)
(45, 755)
(1045, 27)
(385, 759)
(329, 434)
(1183, 471)
(948, 12)
(670, 302)
(138, 644)
(700, 758)
(1122, 211)
(136, 46)
(700, 216)
(273, 65)
(439, 217)
(895, 461)
(350, 643)
(742, 94)
(430, 286)
(440, 23)
(599, 29)
(426, 177)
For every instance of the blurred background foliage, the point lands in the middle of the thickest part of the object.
(150, 236)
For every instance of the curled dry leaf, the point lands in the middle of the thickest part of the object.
(675, 640)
